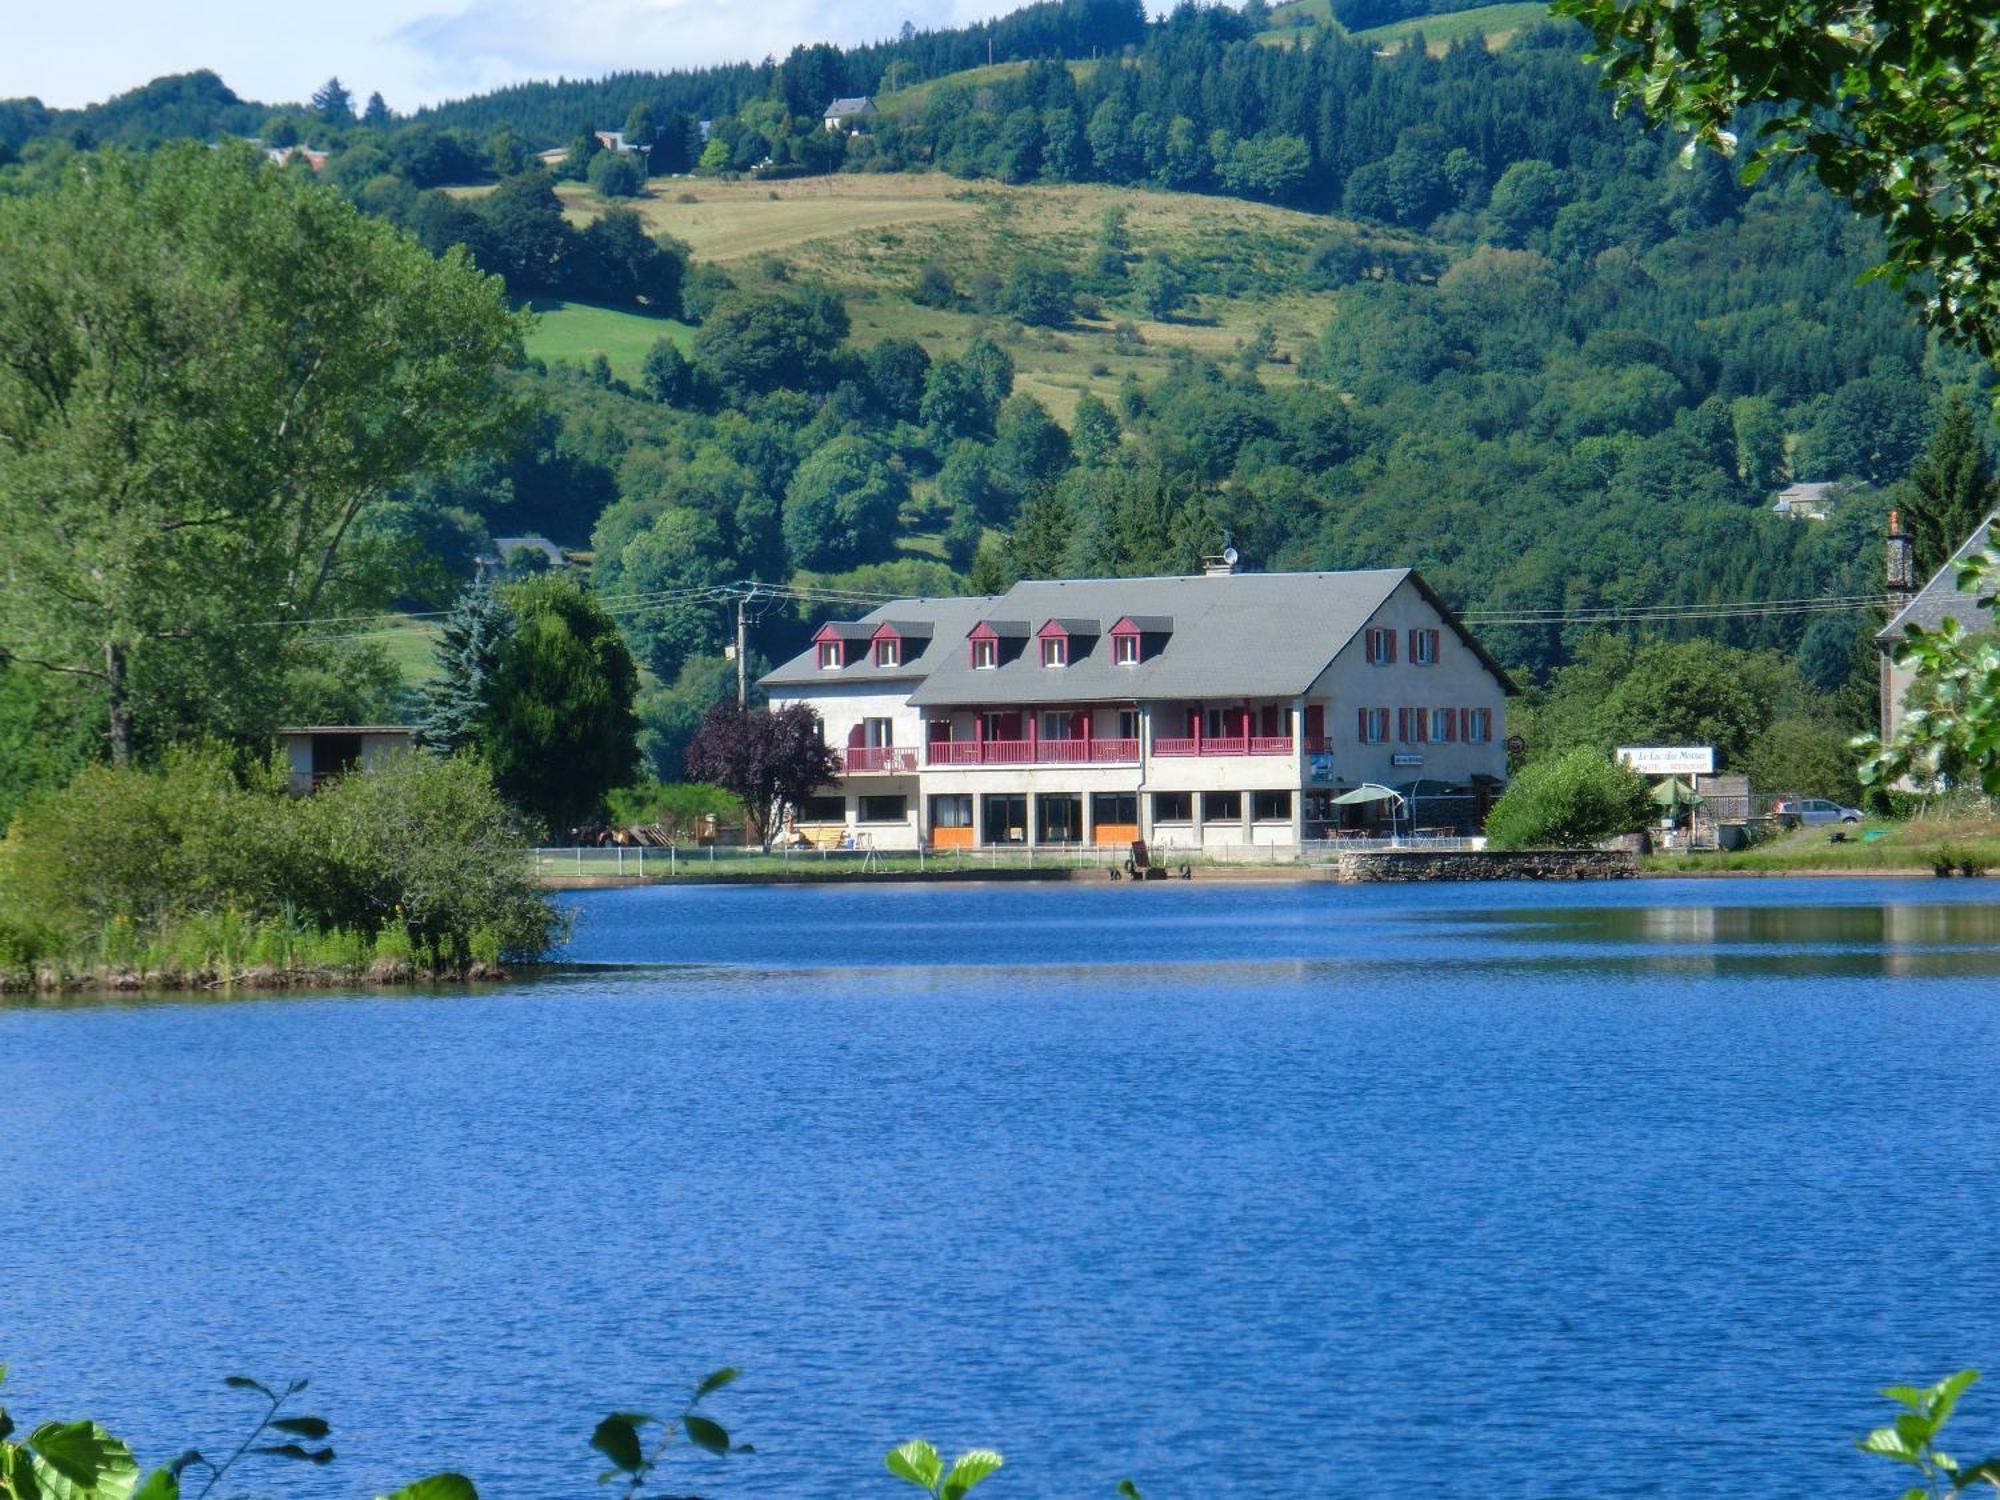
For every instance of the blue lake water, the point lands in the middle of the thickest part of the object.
(1632, 1189)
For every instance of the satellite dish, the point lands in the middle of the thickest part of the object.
(1230, 556)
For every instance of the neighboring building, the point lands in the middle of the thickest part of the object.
(1223, 709)
(1938, 600)
(553, 158)
(1805, 502)
(317, 753)
(614, 140)
(842, 111)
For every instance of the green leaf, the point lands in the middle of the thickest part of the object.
(716, 1381)
(1129, 1491)
(436, 1487)
(1945, 1394)
(969, 1469)
(305, 1427)
(1889, 1443)
(245, 1383)
(81, 1458)
(1906, 1395)
(1986, 1470)
(617, 1438)
(705, 1434)
(161, 1484)
(916, 1461)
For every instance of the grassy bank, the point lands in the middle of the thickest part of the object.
(1923, 844)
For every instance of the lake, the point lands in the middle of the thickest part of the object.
(1262, 1190)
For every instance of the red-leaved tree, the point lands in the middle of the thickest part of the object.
(768, 759)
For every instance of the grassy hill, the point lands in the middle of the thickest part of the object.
(1497, 23)
(868, 235)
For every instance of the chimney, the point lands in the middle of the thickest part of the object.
(1902, 567)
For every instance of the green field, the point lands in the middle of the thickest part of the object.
(576, 332)
(867, 235)
(1497, 23)
(911, 100)
(408, 645)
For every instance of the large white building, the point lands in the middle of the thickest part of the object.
(1192, 712)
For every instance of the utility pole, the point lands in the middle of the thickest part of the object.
(742, 677)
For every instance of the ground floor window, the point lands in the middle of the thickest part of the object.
(1058, 818)
(953, 811)
(1271, 807)
(1003, 818)
(1222, 807)
(823, 810)
(1114, 807)
(1173, 807)
(885, 809)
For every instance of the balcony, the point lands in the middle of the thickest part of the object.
(876, 760)
(1238, 744)
(1092, 752)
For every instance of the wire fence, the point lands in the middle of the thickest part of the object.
(635, 862)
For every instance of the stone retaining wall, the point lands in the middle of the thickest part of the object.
(1364, 866)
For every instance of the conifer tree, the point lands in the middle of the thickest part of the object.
(1950, 490)
(454, 702)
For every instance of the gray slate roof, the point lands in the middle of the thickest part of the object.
(1941, 599)
(841, 108)
(946, 623)
(1264, 635)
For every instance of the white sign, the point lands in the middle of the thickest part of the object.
(1669, 760)
(1406, 760)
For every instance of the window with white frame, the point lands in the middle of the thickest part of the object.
(1424, 647)
(1380, 645)
(888, 652)
(829, 655)
(1374, 726)
(1444, 725)
(1271, 807)
(1128, 723)
(985, 653)
(1478, 725)
(1055, 651)
(1125, 650)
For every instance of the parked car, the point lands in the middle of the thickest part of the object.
(1808, 812)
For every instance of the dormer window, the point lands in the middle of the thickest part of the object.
(829, 656)
(888, 652)
(1055, 651)
(1125, 650)
(985, 653)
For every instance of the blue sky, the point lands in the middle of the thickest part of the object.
(418, 51)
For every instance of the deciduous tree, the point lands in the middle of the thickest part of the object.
(769, 759)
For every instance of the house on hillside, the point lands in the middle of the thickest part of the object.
(842, 111)
(316, 754)
(1193, 712)
(614, 140)
(1810, 501)
(1938, 600)
(504, 548)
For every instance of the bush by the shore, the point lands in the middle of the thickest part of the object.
(1571, 802)
(196, 872)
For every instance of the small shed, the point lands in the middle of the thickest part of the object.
(316, 754)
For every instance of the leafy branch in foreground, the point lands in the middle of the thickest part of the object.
(1894, 103)
(917, 1462)
(618, 1437)
(1912, 1439)
(1950, 731)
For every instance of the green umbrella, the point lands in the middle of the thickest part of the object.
(1674, 792)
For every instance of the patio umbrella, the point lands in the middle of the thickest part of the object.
(1673, 792)
(1372, 791)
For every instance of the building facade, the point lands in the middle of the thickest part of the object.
(1929, 605)
(1194, 712)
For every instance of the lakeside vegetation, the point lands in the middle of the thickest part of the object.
(1962, 844)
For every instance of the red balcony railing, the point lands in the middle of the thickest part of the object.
(885, 760)
(1236, 744)
(1032, 752)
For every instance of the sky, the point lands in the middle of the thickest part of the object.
(418, 51)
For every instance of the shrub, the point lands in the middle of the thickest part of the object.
(1571, 802)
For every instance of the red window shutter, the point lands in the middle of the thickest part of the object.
(1389, 641)
(1403, 725)
(1415, 654)
(1315, 721)
(1363, 713)
(1423, 718)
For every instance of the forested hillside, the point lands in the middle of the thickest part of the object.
(1434, 305)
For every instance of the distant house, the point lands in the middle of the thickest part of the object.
(841, 111)
(614, 140)
(1939, 599)
(316, 754)
(504, 548)
(1805, 502)
(553, 158)
(282, 156)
